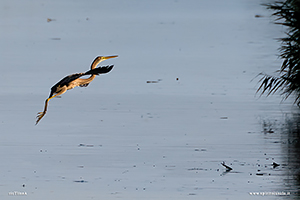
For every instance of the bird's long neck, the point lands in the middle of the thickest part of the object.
(93, 66)
(95, 63)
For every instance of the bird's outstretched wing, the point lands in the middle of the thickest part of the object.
(99, 70)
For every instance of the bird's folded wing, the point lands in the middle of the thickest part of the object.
(68, 79)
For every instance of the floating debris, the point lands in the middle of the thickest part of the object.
(258, 16)
(155, 81)
(86, 145)
(55, 38)
(268, 131)
(191, 169)
(81, 181)
(197, 149)
(50, 20)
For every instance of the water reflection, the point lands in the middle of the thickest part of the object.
(291, 154)
(284, 134)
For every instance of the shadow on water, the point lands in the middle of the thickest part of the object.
(287, 169)
(291, 155)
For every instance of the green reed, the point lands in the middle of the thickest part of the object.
(288, 80)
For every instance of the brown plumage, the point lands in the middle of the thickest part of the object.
(71, 81)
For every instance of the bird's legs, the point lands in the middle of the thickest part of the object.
(40, 115)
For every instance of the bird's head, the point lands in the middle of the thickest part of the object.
(100, 59)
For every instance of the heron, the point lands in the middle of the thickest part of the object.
(73, 80)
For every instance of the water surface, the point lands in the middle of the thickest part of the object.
(178, 103)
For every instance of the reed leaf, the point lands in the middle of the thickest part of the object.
(288, 80)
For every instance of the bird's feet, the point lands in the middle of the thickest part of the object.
(39, 116)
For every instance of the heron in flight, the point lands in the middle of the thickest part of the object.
(73, 80)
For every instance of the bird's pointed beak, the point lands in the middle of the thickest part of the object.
(108, 57)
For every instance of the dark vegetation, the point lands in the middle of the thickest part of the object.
(288, 80)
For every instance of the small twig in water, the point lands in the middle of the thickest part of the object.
(275, 165)
(227, 167)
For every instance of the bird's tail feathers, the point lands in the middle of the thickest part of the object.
(99, 70)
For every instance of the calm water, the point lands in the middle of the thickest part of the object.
(178, 103)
